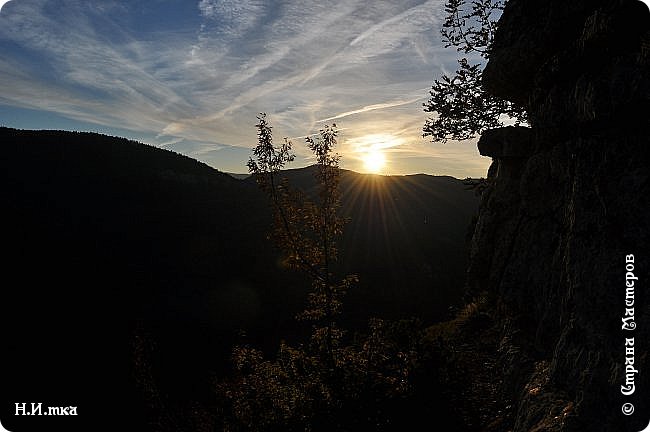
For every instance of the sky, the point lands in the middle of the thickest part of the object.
(192, 75)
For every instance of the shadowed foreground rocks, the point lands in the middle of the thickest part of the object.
(568, 201)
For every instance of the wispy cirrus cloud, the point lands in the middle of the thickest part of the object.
(193, 75)
(371, 108)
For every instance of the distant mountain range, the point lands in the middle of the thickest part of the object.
(106, 238)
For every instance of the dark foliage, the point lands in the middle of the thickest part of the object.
(470, 26)
(462, 107)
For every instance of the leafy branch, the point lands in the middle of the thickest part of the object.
(462, 108)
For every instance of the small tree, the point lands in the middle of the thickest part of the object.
(307, 231)
(463, 108)
(329, 381)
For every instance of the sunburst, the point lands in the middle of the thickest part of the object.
(374, 161)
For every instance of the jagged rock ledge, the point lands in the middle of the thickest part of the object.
(568, 200)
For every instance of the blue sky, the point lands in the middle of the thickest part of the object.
(191, 75)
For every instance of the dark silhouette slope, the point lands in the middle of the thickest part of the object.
(102, 233)
(109, 242)
(402, 238)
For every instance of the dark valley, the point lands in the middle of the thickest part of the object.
(108, 239)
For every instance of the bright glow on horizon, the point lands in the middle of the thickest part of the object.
(374, 161)
(371, 151)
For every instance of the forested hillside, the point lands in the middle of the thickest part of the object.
(108, 238)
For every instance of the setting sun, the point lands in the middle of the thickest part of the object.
(374, 161)
(372, 151)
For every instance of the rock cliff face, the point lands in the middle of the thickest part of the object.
(568, 201)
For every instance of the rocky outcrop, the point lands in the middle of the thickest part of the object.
(568, 201)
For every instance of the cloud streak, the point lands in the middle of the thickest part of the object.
(371, 108)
